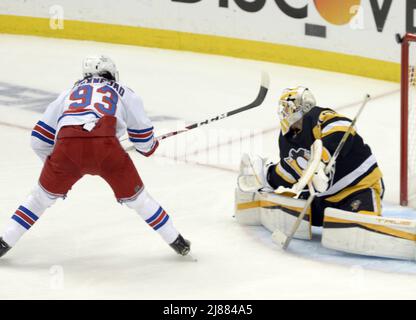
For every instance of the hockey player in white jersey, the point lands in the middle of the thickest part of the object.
(79, 134)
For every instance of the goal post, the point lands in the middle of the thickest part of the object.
(408, 120)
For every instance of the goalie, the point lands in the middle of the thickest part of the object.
(354, 183)
(348, 190)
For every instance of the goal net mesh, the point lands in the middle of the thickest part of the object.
(411, 122)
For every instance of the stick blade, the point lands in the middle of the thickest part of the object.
(265, 79)
(279, 238)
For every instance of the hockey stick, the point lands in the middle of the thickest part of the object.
(278, 236)
(283, 240)
(264, 88)
(331, 162)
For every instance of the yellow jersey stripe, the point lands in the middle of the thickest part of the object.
(368, 181)
(337, 129)
(284, 174)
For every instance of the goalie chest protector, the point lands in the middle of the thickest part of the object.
(329, 126)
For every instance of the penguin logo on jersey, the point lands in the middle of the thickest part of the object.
(355, 205)
(298, 159)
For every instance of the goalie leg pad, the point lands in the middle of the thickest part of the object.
(247, 208)
(280, 212)
(272, 211)
(369, 234)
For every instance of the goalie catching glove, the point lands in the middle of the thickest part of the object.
(253, 174)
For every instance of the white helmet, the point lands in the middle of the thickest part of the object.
(294, 103)
(98, 66)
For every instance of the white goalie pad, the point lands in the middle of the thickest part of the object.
(247, 209)
(272, 211)
(369, 235)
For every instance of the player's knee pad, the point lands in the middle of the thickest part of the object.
(39, 200)
(143, 203)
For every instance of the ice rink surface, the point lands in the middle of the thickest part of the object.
(90, 247)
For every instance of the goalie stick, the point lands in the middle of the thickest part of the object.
(264, 88)
(346, 135)
(278, 236)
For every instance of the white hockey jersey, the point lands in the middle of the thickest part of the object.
(88, 101)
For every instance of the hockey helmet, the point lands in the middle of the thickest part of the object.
(98, 65)
(294, 103)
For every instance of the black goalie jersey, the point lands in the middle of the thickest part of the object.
(356, 170)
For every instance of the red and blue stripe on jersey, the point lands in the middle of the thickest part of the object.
(44, 132)
(140, 136)
(158, 220)
(25, 217)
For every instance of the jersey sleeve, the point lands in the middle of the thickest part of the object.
(278, 176)
(43, 134)
(331, 129)
(139, 127)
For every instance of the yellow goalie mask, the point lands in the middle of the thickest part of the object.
(294, 103)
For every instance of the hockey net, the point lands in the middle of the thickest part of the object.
(408, 121)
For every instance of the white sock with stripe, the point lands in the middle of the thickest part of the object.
(154, 215)
(26, 215)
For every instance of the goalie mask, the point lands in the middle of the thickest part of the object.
(294, 103)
